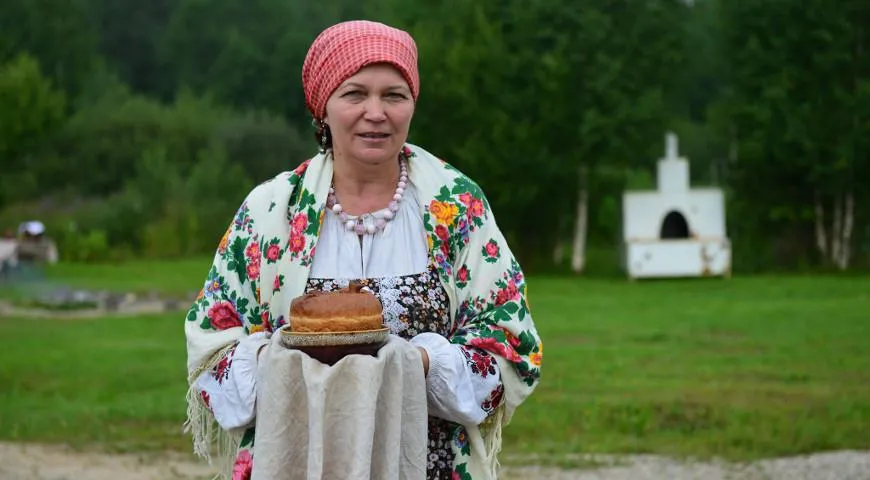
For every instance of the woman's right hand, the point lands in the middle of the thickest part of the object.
(425, 355)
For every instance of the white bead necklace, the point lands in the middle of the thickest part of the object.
(356, 223)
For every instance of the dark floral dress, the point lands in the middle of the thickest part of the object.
(415, 304)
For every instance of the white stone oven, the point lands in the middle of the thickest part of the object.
(675, 230)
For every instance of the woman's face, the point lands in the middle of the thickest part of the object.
(370, 113)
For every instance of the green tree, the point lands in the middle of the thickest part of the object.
(31, 111)
(58, 33)
(248, 54)
(797, 103)
(530, 99)
(129, 33)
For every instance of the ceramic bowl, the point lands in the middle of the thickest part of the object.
(330, 347)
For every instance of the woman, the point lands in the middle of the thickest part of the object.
(391, 215)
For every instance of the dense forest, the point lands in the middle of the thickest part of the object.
(134, 129)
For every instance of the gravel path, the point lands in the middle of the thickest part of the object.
(41, 462)
(842, 465)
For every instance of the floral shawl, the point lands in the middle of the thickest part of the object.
(263, 262)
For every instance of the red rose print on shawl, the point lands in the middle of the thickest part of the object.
(265, 318)
(491, 252)
(474, 207)
(273, 252)
(243, 466)
(441, 232)
(462, 276)
(300, 223)
(493, 345)
(223, 315)
(507, 294)
(511, 338)
(302, 167)
(252, 253)
(253, 269)
(297, 242)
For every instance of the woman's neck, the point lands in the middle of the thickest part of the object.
(364, 187)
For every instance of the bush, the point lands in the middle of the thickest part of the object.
(31, 110)
(130, 176)
(262, 144)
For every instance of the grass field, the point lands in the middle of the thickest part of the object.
(165, 276)
(181, 277)
(741, 369)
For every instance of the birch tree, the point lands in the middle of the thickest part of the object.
(800, 95)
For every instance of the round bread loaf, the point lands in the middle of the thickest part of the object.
(347, 310)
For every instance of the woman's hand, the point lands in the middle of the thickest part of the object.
(425, 355)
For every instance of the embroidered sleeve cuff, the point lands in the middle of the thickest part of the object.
(452, 391)
(231, 387)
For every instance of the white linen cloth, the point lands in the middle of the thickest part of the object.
(364, 417)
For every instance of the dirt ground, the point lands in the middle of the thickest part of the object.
(49, 462)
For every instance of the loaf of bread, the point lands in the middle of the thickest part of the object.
(349, 310)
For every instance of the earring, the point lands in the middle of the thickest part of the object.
(320, 133)
(323, 127)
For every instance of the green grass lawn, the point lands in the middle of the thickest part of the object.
(744, 368)
(114, 382)
(141, 276)
(180, 277)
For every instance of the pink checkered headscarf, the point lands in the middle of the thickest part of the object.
(343, 49)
